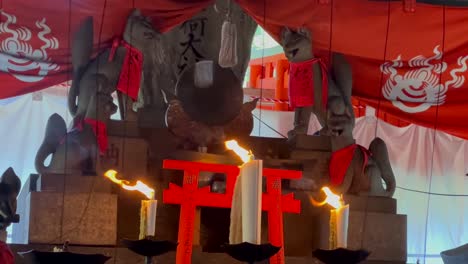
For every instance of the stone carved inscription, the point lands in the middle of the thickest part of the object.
(111, 157)
(193, 30)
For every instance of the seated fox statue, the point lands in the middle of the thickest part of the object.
(327, 93)
(78, 150)
(10, 185)
(353, 169)
(90, 99)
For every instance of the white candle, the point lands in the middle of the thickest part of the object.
(148, 218)
(251, 185)
(342, 218)
(339, 227)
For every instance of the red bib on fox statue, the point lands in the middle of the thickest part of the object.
(6, 256)
(301, 83)
(341, 160)
(130, 75)
(99, 129)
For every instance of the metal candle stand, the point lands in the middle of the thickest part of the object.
(149, 247)
(251, 253)
(44, 257)
(41, 257)
(341, 255)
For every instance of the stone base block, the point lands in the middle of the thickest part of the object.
(371, 204)
(308, 142)
(73, 183)
(130, 156)
(384, 235)
(80, 218)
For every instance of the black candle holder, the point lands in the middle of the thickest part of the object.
(150, 248)
(341, 256)
(43, 257)
(251, 253)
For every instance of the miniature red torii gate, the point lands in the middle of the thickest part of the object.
(189, 196)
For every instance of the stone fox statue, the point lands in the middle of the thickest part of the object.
(353, 168)
(78, 150)
(139, 39)
(10, 185)
(297, 46)
(90, 100)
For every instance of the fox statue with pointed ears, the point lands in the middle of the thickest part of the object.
(353, 169)
(90, 99)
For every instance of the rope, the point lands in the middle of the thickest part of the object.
(270, 127)
(80, 221)
(64, 186)
(93, 184)
(435, 132)
(431, 193)
(377, 115)
(263, 71)
(125, 101)
(270, 100)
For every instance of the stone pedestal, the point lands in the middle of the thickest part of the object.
(129, 151)
(313, 152)
(54, 216)
(374, 226)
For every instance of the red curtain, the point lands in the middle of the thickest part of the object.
(34, 38)
(410, 65)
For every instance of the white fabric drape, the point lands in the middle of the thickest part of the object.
(22, 127)
(23, 121)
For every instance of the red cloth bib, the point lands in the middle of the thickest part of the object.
(341, 160)
(6, 256)
(130, 75)
(301, 83)
(99, 129)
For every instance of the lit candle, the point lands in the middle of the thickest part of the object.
(339, 217)
(251, 185)
(148, 207)
(148, 218)
(338, 237)
(250, 178)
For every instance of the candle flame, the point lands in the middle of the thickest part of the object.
(332, 199)
(244, 154)
(139, 186)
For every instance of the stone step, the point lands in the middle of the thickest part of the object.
(308, 142)
(383, 234)
(371, 204)
(73, 183)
